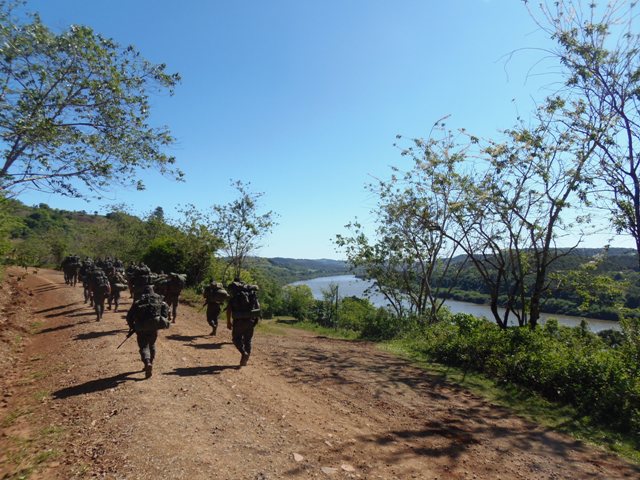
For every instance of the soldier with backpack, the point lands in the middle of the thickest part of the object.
(170, 288)
(118, 284)
(215, 295)
(243, 314)
(146, 316)
(100, 290)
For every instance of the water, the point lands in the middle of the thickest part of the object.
(349, 285)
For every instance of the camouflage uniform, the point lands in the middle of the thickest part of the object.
(214, 304)
(241, 325)
(146, 339)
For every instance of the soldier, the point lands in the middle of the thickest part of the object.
(100, 290)
(142, 277)
(118, 283)
(243, 314)
(85, 274)
(215, 295)
(170, 286)
(70, 268)
(146, 316)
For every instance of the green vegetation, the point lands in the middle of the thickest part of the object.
(75, 109)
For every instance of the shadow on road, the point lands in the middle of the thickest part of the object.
(91, 335)
(85, 314)
(56, 308)
(96, 385)
(184, 338)
(193, 371)
(47, 288)
(65, 313)
(452, 439)
(60, 327)
(208, 346)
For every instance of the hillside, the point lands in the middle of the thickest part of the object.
(288, 270)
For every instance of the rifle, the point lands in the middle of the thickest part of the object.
(131, 332)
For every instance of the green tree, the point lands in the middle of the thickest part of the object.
(166, 254)
(8, 223)
(74, 110)
(411, 253)
(598, 47)
(356, 313)
(200, 243)
(240, 227)
(298, 301)
(515, 210)
(328, 311)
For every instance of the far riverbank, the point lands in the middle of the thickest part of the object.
(350, 285)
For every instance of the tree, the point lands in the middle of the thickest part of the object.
(411, 252)
(166, 254)
(8, 223)
(199, 243)
(240, 227)
(600, 52)
(514, 213)
(74, 110)
(328, 311)
(298, 301)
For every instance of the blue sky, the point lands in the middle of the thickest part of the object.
(304, 98)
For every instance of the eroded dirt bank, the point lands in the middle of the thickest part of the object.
(74, 406)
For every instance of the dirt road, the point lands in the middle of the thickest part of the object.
(306, 407)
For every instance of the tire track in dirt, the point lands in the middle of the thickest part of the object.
(305, 407)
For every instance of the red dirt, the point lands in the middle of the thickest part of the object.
(306, 407)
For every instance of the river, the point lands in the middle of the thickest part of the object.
(349, 285)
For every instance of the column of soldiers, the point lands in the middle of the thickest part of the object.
(155, 301)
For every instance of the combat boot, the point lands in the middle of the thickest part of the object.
(244, 359)
(148, 370)
(214, 330)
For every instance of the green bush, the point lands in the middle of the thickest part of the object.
(384, 326)
(564, 364)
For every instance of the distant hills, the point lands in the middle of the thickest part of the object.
(288, 270)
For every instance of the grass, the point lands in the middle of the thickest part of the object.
(279, 325)
(11, 417)
(521, 401)
(41, 395)
(191, 297)
(35, 326)
(28, 454)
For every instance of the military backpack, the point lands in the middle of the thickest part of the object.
(151, 314)
(244, 300)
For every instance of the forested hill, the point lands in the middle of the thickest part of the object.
(288, 270)
(613, 259)
(41, 235)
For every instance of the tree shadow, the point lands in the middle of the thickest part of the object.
(91, 335)
(56, 308)
(184, 338)
(193, 371)
(47, 288)
(98, 385)
(208, 346)
(85, 314)
(452, 438)
(60, 327)
(65, 313)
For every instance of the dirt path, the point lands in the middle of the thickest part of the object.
(306, 407)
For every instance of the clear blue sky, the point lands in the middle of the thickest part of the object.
(304, 98)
